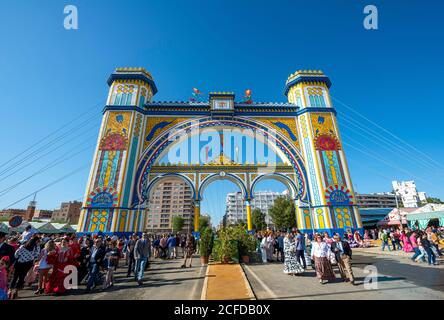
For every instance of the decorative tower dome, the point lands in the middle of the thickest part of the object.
(131, 87)
(308, 89)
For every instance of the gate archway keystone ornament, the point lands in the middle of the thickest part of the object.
(136, 133)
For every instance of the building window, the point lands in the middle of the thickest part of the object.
(123, 94)
(316, 96)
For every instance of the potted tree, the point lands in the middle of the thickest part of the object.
(205, 244)
(246, 243)
(227, 246)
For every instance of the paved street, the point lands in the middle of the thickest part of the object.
(165, 280)
(398, 278)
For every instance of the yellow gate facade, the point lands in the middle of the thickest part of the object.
(136, 132)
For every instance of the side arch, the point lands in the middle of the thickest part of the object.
(161, 177)
(223, 176)
(279, 177)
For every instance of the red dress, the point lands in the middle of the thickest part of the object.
(63, 258)
(75, 250)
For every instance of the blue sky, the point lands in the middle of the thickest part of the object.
(392, 76)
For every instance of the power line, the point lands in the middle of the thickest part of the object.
(388, 132)
(359, 164)
(388, 148)
(50, 134)
(43, 169)
(386, 162)
(31, 160)
(389, 145)
(48, 144)
(376, 156)
(48, 185)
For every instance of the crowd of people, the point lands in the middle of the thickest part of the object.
(50, 261)
(322, 252)
(423, 244)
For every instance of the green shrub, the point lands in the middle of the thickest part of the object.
(206, 242)
(233, 241)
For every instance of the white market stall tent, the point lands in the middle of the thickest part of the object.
(43, 227)
(422, 216)
(63, 227)
(4, 227)
(40, 227)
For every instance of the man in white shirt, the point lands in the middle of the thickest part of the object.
(27, 234)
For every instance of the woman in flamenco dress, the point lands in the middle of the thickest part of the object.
(406, 244)
(63, 258)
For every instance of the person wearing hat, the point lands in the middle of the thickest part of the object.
(141, 255)
(6, 250)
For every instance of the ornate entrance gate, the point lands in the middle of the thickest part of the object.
(136, 133)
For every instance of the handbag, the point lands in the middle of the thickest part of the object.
(332, 258)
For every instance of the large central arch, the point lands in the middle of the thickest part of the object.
(164, 140)
(242, 175)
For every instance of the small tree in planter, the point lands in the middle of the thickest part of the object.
(227, 245)
(205, 244)
(246, 243)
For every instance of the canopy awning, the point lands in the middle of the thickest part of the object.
(425, 215)
(4, 227)
(43, 227)
(393, 218)
(63, 227)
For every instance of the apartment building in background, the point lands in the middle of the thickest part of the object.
(170, 197)
(377, 200)
(263, 200)
(69, 212)
(410, 197)
(41, 214)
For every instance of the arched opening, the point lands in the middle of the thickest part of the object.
(265, 190)
(223, 176)
(222, 202)
(275, 146)
(169, 196)
(150, 187)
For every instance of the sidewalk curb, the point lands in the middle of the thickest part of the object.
(203, 296)
(271, 294)
(247, 283)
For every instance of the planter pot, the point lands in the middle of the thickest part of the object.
(245, 259)
(225, 259)
(203, 260)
